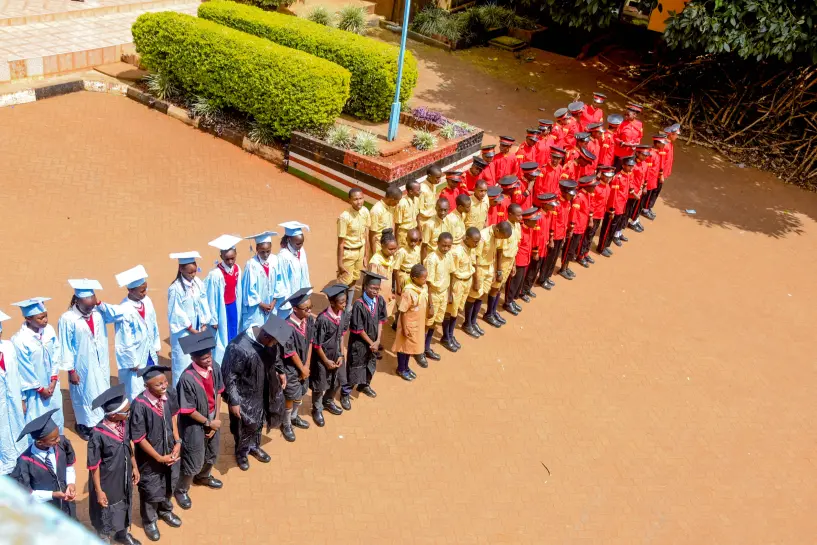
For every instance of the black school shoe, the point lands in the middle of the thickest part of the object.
(589, 259)
(243, 464)
(421, 360)
(622, 238)
(448, 345)
(607, 252)
(405, 376)
(367, 391)
(317, 418)
(617, 242)
(491, 319)
(478, 329)
(517, 306)
(565, 274)
(346, 403)
(126, 539)
(208, 481)
(456, 342)
(152, 531)
(500, 319)
(331, 408)
(470, 331)
(525, 297)
(171, 519)
(584, 263)
(299, 422)
(412, 373)
(259, 454)
(288, 433)
(431, 355)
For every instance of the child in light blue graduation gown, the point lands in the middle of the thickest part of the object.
(12, 419)
(187, 309)
(84, 351)
(137, 338)
(38, 359)
(292, 265)
(261, 282)
(225, 303)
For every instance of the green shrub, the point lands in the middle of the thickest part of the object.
(204, 109)
(260, 134)
(373, 64)
(321, 15)
(268, 5)
(340, 136)
(280, 88)
(160, 86)
(433, 20)
(353, 19)
(424, 140)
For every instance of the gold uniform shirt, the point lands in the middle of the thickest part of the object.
(352, 225)
(406, 258)
(462, 261)
(405, 213)
(427, 201)
(382, 217)
(486, 249)
(439, 271)
(510, 246)
(478, 214)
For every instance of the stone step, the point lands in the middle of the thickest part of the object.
(52, 48)
(24, 12)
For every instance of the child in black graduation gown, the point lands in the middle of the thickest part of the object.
(156, 440)
(199, 391)
(328, 357)
(296, 360)
(46, 467)
(113, 468)
(365, 329)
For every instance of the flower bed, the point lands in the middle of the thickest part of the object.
(337, 170)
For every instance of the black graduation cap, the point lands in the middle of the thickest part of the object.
(40, 426)
(568, 185)
(583, 136)
(372, 278)
(594, 126)
(530, 212)
(561, 112)
(299, 296)
(153, 371)
(629, 160)
(277, 328)
(587, 154)
(529, 165)
(480, 162)
(615, 119)
(494, 191)
(198, 342)
(334, 290)
(508, 180)
(111, 398)
(588, 181)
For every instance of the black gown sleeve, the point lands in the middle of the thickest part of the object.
(70, 455)
(21, 474)
(173, 402)
(138, 423)
(232, 367)
(357, 322)
(94, 453)
(186, 395)
(382, 316)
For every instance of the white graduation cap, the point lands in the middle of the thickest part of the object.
(33, 306)
(185, 257)
(84, 287)
(264, 237)
(294, 228)
(4, 316)
(225, 242)
(132, 278)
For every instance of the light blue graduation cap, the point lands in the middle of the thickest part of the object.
(263, 238)
(132, 278)
(33, 306)
(294, 228)
(225, 242)
(185, 257)
(3, 318)
(84, 287)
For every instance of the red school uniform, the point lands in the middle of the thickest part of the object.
(598, 200)
(607, 148)
(589, 115)
(548, 180)
(523, 255)
(620, 191)
(630, 132)
(639, 177)
(499, 212)
(560, 219)
(580, 212)
(653, 168)
(569, 169)
(504, 164)
(451, 196)
(525, 153)
(669, 158)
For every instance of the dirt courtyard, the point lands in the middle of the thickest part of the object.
(665, 396)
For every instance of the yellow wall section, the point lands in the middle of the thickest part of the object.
(658, 19)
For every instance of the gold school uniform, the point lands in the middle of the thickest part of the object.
(462, 268)
(455, 224)
(405, 218)
(382, 217)
(435, 226)
(426, 202)
(485, 258)
(439, 280)
(510, 247)
(352, 225)
(384, 266)
(404, 260)
(478, 214)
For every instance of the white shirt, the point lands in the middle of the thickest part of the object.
(70, 472)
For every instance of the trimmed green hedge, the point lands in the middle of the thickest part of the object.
(281, 88)
(373, 64)
(271, 5)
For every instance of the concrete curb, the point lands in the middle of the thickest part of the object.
(25, 96)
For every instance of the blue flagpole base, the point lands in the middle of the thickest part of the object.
(394, 120)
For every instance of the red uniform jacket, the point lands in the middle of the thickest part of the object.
(572, 127)
(504, 164)
(545, 221)
(548, 181)
(598, 201)
(586, 170)
(499, 213)
(569, 170)
(639, 177)
(451, 196)
(620, 191)
(607, 147)
(593, 147)
(526, 153)
(630, 132)
(580, 213)
(543, 149)
(559, 132)
(590, 114)
(525, 247)
(561, 218)
(469, 180)
(653, 168)
(517, 194)
(670, 159)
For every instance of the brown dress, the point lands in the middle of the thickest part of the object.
(410, 338)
